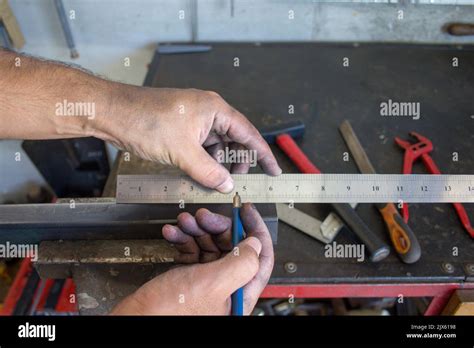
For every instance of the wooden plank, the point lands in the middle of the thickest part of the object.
(460, 303)
(11, 24)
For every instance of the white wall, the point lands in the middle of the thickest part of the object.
(138, 23)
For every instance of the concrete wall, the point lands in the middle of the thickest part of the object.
(138, 23)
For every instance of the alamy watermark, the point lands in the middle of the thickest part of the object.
(237, 156)
(79, 109)
(406, 109)
(28, 330)
(14, 251)
(345, 251)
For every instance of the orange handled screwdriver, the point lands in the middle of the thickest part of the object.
(404, 240)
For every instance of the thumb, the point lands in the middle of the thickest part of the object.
(200, 166)
(238, 267)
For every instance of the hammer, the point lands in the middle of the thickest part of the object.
(282, 135)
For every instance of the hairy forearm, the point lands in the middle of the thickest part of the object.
(180, 127)
(46, 100)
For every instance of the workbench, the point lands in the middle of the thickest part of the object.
(313, 79)
(268, 82)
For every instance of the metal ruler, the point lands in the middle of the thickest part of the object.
(301, 188)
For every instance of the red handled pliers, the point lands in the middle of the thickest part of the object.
(422, 149)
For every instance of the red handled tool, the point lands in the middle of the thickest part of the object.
(286, 143)
(422, 149)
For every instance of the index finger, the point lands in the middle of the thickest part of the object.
(240, 130)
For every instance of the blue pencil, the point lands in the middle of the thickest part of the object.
(237, 236)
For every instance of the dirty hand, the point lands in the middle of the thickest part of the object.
(180, 127)
(206, 288)
(184, 128)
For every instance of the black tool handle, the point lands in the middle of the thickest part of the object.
(378, 250)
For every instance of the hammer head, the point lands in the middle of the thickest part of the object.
(293, 128)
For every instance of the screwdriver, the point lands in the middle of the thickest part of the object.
(237, 236)
(403, 239)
